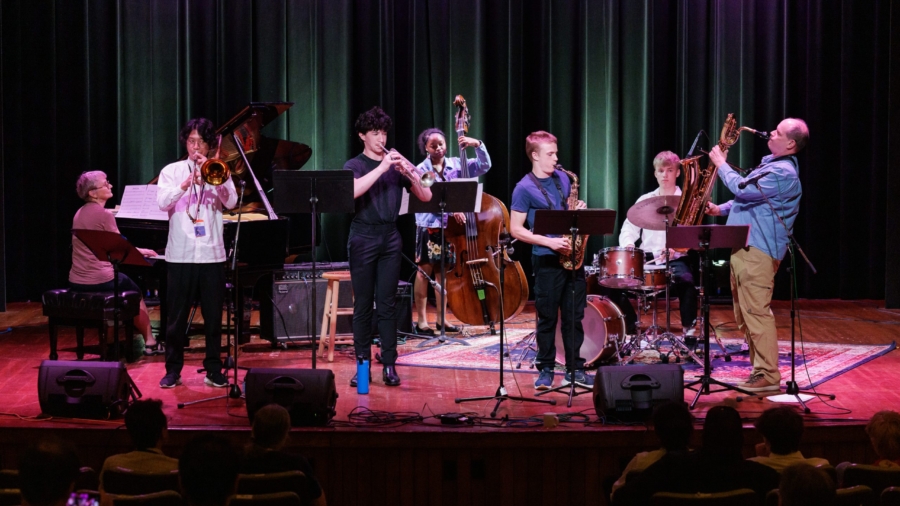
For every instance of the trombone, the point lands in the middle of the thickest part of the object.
(214, 172)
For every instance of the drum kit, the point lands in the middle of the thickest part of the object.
(624, 268)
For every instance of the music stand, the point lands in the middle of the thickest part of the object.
(703, 238)
(313, 192)
(453, 197)
(113, 248)
(573, 222)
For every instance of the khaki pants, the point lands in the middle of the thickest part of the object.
(752, 282)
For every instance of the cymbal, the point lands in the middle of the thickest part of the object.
(651, 214)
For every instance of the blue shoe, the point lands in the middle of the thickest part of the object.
(170, 380)
(581, 379)
(545, 379)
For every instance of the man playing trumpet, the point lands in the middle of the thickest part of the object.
(374, 247)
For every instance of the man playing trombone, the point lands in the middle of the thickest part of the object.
(195, 251)
(374, 246)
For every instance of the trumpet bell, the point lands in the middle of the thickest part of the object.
(215, 172)
(427, 179)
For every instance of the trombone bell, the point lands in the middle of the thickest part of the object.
(215, 171)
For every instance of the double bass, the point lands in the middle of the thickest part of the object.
(473, 285)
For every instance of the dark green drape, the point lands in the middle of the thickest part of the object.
(107, 84)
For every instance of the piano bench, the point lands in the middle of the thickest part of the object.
(92, 310)
(329, 338)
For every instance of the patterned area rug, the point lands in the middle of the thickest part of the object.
(816, 362)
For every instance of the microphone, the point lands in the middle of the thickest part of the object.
(762, 135)
(694, 145)
(437, 286)
(753, 179)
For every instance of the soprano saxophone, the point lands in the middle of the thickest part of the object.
(580, 240)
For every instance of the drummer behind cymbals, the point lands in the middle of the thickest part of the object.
(545, 187)
(666, 169)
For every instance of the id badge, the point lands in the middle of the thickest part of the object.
(199, 229)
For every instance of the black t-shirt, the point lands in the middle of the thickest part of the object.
(261, 461)
(381, 204)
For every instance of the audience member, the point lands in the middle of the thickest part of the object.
(718, 466)
(805, 485)
(270, 433)
(673, 424)
(47, 473)
(884, 433)
(147, 426)
(781, 429)
(208, 469)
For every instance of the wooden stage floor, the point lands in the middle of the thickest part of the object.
(444, 464)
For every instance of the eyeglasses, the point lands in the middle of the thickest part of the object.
(105, 184)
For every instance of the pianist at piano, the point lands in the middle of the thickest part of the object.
(88, 274)
(195, 251)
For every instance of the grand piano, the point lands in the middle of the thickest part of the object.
(265, 238)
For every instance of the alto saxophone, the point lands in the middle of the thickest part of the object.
(698, 184)
(580, 240)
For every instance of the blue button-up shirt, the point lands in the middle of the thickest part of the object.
(781, 186)
(453, 170)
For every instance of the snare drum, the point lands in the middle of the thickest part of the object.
(621, 267)
(604, 332)
(654, 276)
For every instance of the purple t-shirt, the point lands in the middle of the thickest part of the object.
(527, 198)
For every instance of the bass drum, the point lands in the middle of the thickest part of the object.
(604, 332)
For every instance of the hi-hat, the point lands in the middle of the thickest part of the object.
(652, 213)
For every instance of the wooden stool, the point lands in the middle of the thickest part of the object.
(92, 310)
(328, 339)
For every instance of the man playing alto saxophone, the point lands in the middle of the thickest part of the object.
(753, 268)
(546, 187)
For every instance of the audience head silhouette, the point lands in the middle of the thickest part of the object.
(884, 433)
(782, 427)
(271, 427)
(673, 424)
(47, 473)
(805, 485)
(146, 423)
(208, 470)
(723, 434)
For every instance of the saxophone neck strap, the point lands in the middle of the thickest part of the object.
(555, 176)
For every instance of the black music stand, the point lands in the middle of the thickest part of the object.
(452, 197)
(115, 249)
(313, 192)
(573, 222)
(704, 238)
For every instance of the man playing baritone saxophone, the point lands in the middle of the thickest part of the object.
(545, 187)
(753, 268)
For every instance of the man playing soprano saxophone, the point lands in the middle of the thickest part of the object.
(545, 187)
(753, 268)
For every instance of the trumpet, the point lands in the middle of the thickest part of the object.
(424, 178)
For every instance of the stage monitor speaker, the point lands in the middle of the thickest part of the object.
(78, 389)
(630, 392)
(309, 395)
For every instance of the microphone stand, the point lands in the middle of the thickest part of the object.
(434, 284)
(234, 391)
(791, 387)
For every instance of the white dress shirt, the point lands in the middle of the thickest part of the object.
(653, 241)
(184, 245)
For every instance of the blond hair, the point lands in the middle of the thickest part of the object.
(884, 432)
(535, 139)
(665, 158)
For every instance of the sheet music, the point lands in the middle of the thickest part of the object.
(139, 201)
(404, 200)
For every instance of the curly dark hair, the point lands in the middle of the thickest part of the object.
(203, 126)
(373, 119)
(425, 135)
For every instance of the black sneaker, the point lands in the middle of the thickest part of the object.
(170, 380)
(581, 379)
(216, 379)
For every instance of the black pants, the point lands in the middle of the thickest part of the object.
(553, 301)
(682, 287)
(185, 281)
(374, 255)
